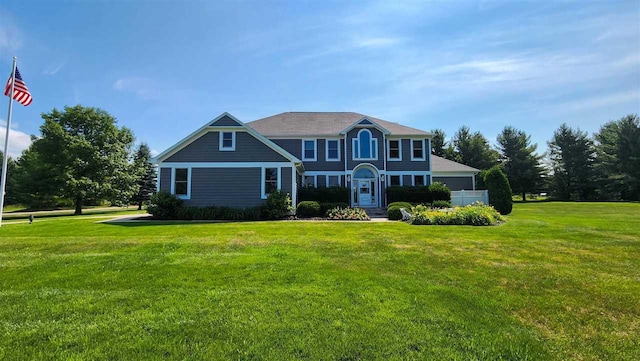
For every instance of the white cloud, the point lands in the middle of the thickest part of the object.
(54, 69)
(18, 141)
(10, 35)
(142, 87)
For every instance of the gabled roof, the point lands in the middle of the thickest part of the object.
(322, 124)
(230, 122)
(439, 164)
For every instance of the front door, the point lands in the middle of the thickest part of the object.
(364, 193)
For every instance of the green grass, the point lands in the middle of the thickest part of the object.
(115, 211)
(557, 281)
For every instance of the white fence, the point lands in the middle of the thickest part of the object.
(462, 198)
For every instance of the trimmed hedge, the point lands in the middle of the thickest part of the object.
(324, 194)
(472, 215)
(419, 194)
(393, 210)
(308, 209)
(405, 205)
(164, 205)
(441, 204)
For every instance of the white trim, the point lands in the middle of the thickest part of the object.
(227, 164)
(173, 183)
(407, 172)
(221, 146)
(372, 125)
(322, 172)
(315, 150)
(399, 150)
(424, 149)
(315, 180)
(454, 174)
(373, 146)
(430, 161)
(263, 175)
(424, 179)
(308, 136)
(294, 189)
(394, 175)
(326, 150)
(207, 128)
(378, 197)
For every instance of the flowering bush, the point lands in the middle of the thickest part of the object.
(476, 214)
(347, 214)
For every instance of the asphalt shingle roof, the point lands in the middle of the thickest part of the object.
(321, 123)
(439, 164)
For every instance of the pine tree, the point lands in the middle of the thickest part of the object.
(473, 149)
(438, 142)
(519, 161)
(572, 157)
(146, 175)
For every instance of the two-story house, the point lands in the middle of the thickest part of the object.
(229, 163)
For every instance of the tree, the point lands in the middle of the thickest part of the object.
(438, 142)
(519, 161)
(10, 190)
(89, 152)
(146, 175)
(499, 190)
(473, 149)
(572, 158)
(38, 185)
(618, 158)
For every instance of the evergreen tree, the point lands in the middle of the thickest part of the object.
(618, 158)
(519, 161)
(146, 173)
(572, 158)
(499, 190)
(38, 186)
(90, 153)
(438, 142)
(473, 149)
(10, 196)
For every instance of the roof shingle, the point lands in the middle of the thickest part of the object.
(321, 124)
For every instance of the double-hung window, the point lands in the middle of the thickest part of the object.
(418, 149)
(333, 180)
(333, 150)
(309, 149)
(227, 141)
(309, 181)
(270, 181)
(181, 182)
(365, 146)
(395, 150)
(394, 180)
(418, 180)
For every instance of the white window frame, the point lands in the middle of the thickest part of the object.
(424, 179)
(326, 148)
(221, 146)
(424, 148)
(173, 183)
(374, 146)
(333, 175)
(399, 159)
(395, 175)
(315, 180)
(263, 179)
(315, 150)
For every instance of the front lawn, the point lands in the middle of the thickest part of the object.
(556, 281)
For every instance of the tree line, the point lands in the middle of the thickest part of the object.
(81, 158)
(605, 166)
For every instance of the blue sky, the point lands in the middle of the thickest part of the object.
(164, 68)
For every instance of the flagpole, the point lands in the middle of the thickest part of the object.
(5, 156)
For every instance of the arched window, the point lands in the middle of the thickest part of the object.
(365, 146)
(364, 173)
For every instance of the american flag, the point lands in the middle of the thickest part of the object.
(20, 91)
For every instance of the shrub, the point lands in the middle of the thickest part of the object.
(348, 214)
(417, 194)
(218, 213)
(308, 209)
(439, 192)
(405, 205)
(277, 206)
(164, 205)
(476, 214)
(441, 204)
(324, 194)
(499, 190)
(325, 207)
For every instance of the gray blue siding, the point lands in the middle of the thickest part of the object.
(165, 179)
(351, 164)
(456, 183)
(206, 149)
(228, 187)
(407, 164)
(225, 122)
(294, 146)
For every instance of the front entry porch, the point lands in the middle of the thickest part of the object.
(365, 187)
